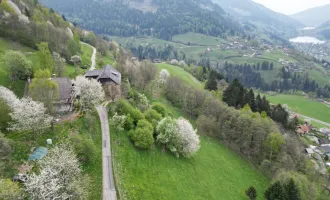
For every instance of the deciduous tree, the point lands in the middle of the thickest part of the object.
(60, 176)
(44, 90)
(188, 138)
(29, 115)
(89, 90)
(18, 66)
(45, 57)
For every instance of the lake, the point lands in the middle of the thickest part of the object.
(306, 39)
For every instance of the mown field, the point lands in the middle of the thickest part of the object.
(303, 105)
(214, 172)
(180, 73)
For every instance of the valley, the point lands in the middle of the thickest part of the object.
(203, 99)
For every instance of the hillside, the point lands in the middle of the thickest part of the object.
(208, 51)
(313, 17)
(248, 11)
(130, 18)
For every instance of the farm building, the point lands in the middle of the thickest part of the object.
(106, 75)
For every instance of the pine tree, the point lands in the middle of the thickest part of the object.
(291, 190)
(275, 192)
(251, 193)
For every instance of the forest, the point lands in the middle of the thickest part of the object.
(171, 18)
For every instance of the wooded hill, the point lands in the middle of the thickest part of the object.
(167, 18)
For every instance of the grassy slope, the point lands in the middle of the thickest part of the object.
(198, 39)
(180, 73)
(304, 106)
(214, 173)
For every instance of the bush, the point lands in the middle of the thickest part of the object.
(160, 109)
(84, 148)
(125, 108)
(251, 193)
(142, 135)
(129, 123)
(153, 117)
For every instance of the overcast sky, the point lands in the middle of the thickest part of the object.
(291, 6)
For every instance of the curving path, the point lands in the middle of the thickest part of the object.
(93, 58)
(109, 190)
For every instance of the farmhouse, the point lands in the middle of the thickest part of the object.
(107, 75)
(303, 129)
(66, 95)
(110, 79)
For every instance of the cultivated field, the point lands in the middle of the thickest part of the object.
(303, 105)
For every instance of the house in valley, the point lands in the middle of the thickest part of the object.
(303, 129)
(110, 78)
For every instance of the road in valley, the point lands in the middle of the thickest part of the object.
(93, 58)
(109, 191)
(312, 119)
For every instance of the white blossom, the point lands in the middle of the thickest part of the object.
(9, 97)
(164, 75)
(179, 136)
(90, 91)
(29, 115)
(118, 121)
(189, 140)
(182, 63)
(59, 178)
(174, 62)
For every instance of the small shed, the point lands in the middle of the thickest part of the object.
(309, 150)
(38, 153)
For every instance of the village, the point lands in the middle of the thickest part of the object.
(317, 144)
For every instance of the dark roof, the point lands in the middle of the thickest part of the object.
(65, 88)
(324, 141)
(108, 72)
(93, 73)
(324, 149)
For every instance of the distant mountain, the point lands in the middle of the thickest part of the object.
(155, 18)
(313, 17)
(252, 12)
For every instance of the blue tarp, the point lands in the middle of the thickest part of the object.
(38, 153)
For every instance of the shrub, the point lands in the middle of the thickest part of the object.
(125, 108)
(84, 148)
(129, 123)
(251, 193)
(153, 117)
(160, 109)
(142, 135)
